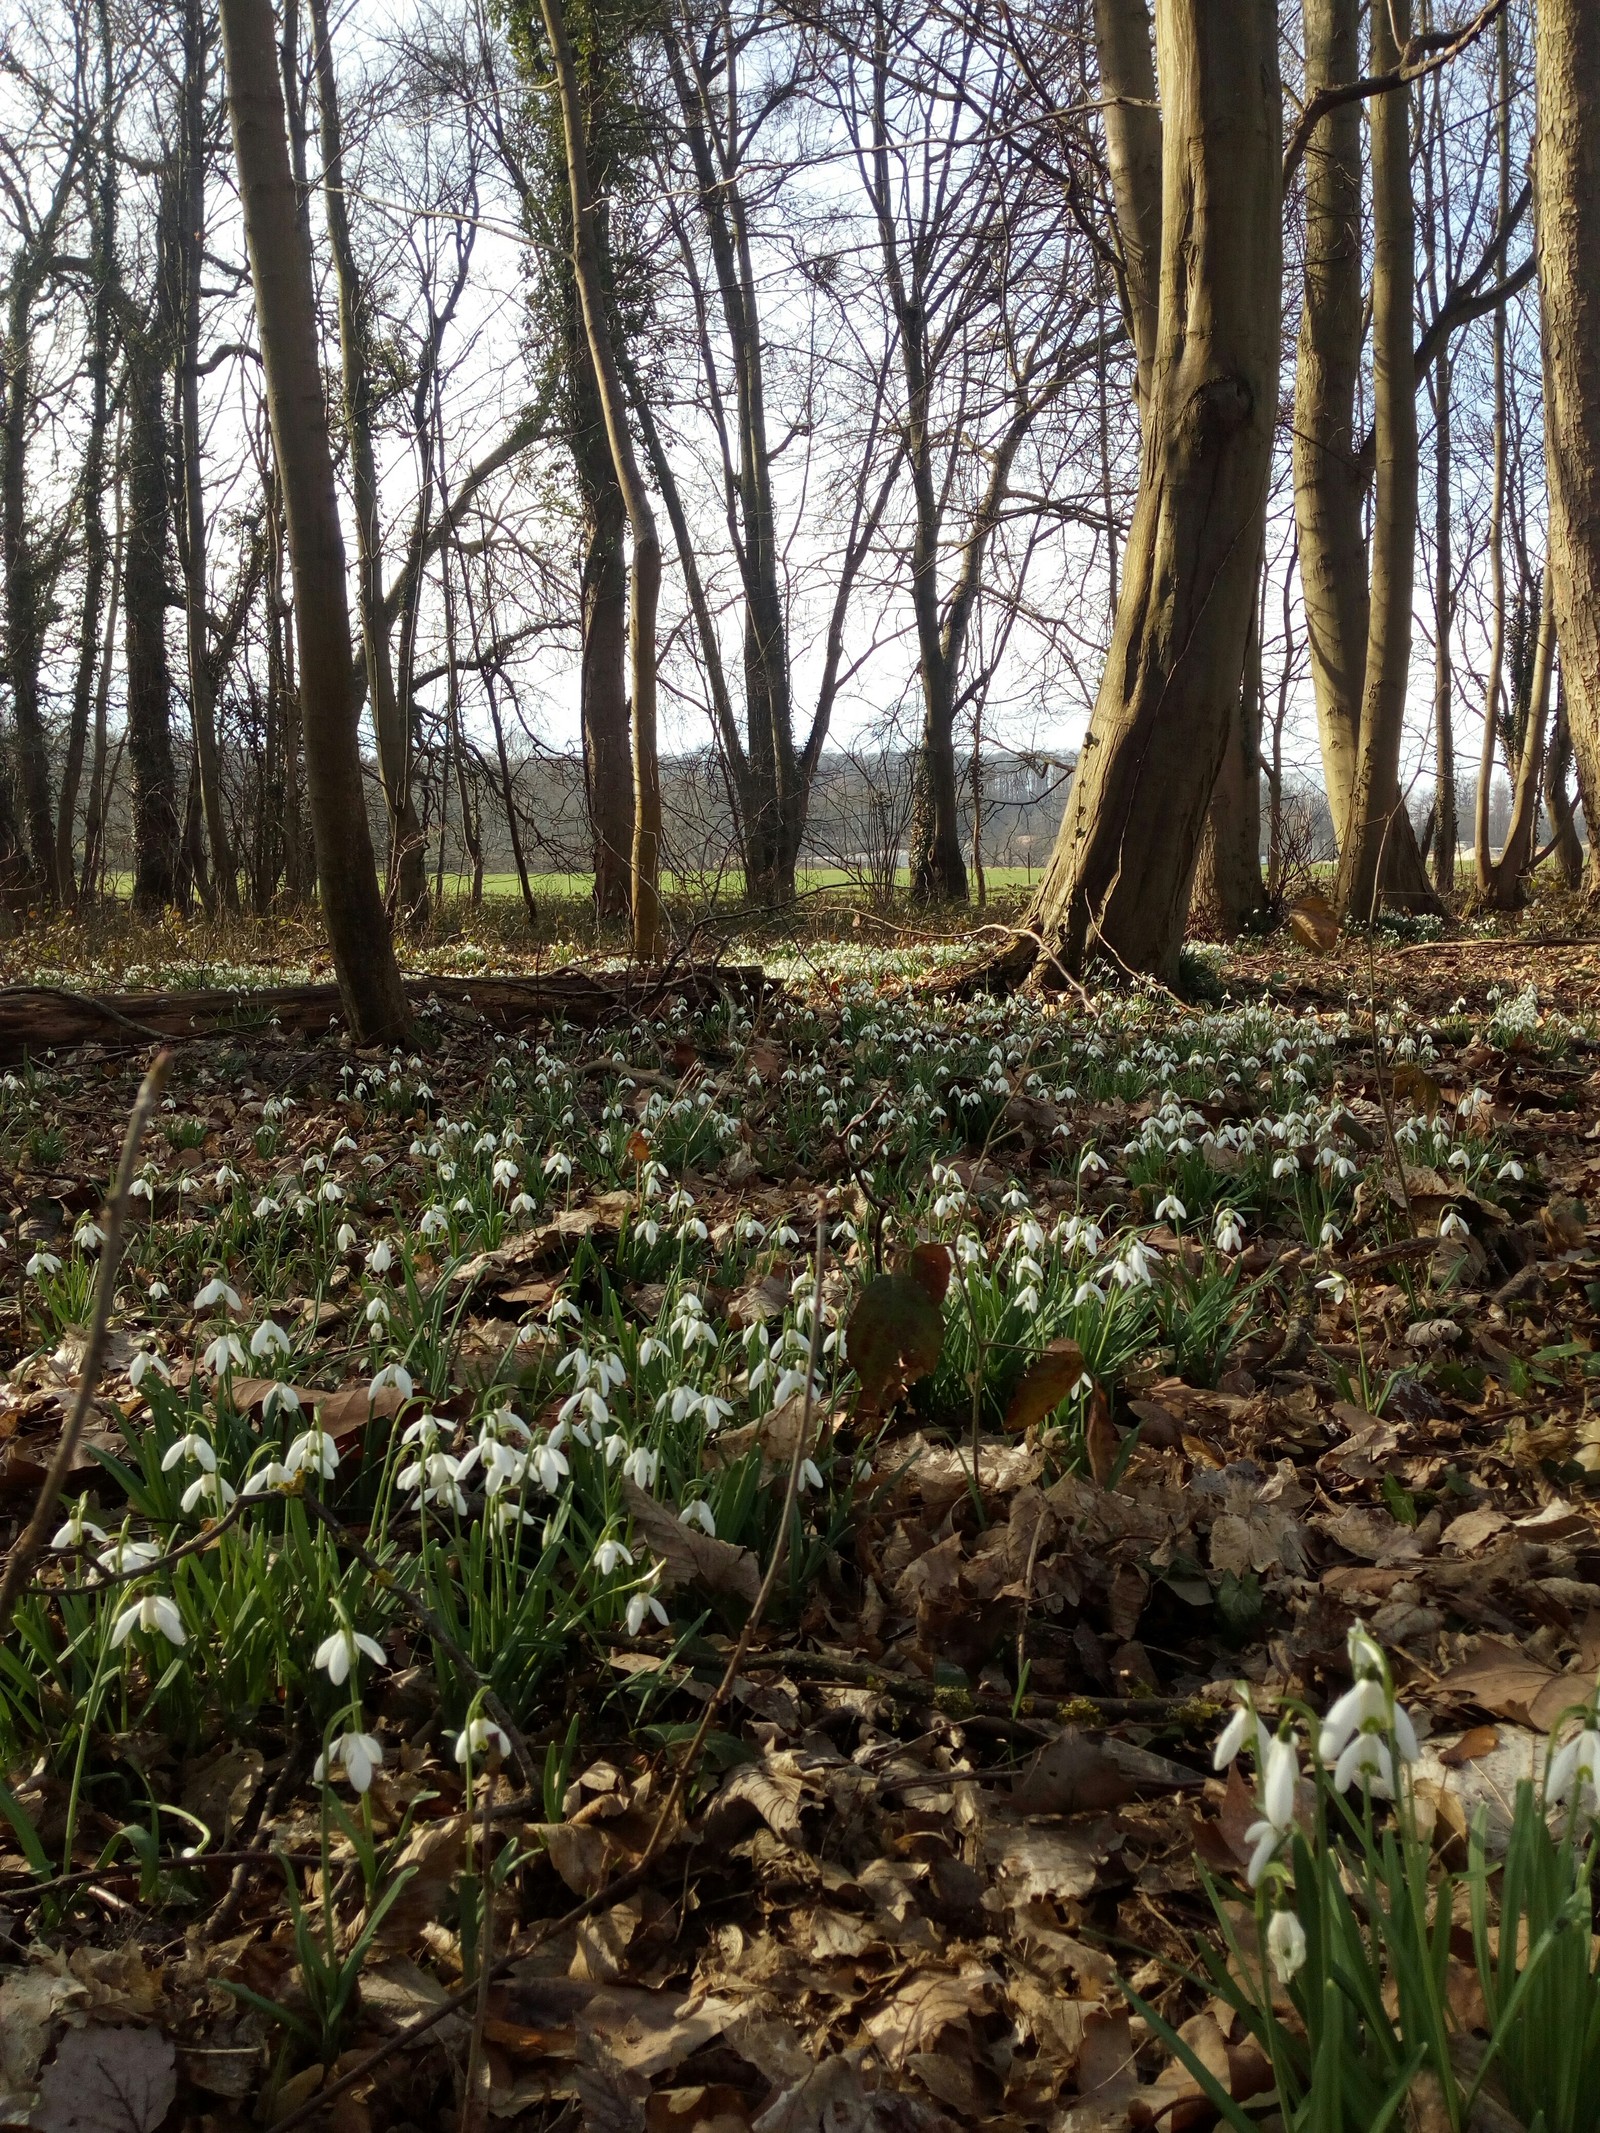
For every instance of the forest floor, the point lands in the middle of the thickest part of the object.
(1157, 1341)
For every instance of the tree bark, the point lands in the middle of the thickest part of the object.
(1503, 882)
(1227, 881)
(1567, 158)
(1488, 884)
(157, 823)
(1557, 799)
(603, 689)
(1120, 875)
(407, 846)
(280, 271)
(1125, 57)
(1447, 831)
(102, 220)
(645, 576)
(1377, 820)
(1328, 481)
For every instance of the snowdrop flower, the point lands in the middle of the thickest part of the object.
(1285, 1167)
(339, 1652)
(1229, 1231)
(142, 1364)
(557, 1164)
(1279, 1776)
(1088, 1292)
(313, 1452)
(1245, 1728)
(154, 1612)
(213, 1488)
(392, 1377)
(480, 1735)
(280, 1399)
(1171, 1209)
(125, 1555)
(437, 1479)
(1573, 1767)
(224, 1354)
(549, 1462)
(265, 1207)
(640, 1608)
(269, 1340)
(427, 1430)
(1091, 1164)
(77, 1528)
(1331, 1235)
(435, 1222)
(226, 1178)
(217, 1291)
(641, 1467)
(381, 1257)
(1335, 1288)
(89, 1236)
(1286, 1945)
(1510, 1173)
(1451, 1225)
(699, 1513)
(357, 1754)
(609, 1554)
(563, 1309)
(190, 1447)
(344, 1238)
(43, 1262)
(505, 1173)
(1133, 1269)
(274, 1475)
(810, 1476)
(1356, 1732)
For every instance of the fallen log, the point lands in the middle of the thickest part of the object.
(35, 1019)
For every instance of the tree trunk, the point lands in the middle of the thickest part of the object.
(603, 691)
(1447, 831)
(1227, 881)
(1377, 820)
(29, 584)
(1126, 61)
(91, 624)
(1120, 875)
(1488, 884)
(157, 826)
(773, 804)
(1567, 158)
(94, 807)
(1557, 799)
(280, 271)
(1328, 482)
(645, 578)
(1503, 882)
(407, 846)
(188, 252)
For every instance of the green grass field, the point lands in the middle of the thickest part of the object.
(573, 888)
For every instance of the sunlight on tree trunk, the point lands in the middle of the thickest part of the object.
(1567, 58)
(1120, 875)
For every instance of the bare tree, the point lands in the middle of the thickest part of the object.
(280, 266)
